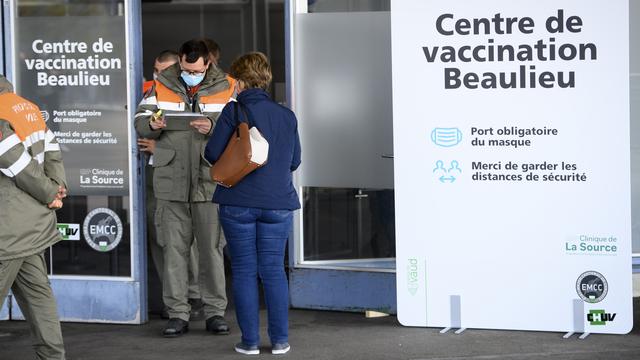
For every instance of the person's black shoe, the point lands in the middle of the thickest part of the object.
(164, 314)
(197, 310)
(175, 327)
(217, 325)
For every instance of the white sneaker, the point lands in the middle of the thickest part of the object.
(279, 349)
(243, 348)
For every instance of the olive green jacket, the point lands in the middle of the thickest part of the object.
(30, 172)
(180, 171)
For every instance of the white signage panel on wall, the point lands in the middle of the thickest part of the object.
(512, 173)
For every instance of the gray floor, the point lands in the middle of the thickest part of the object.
(325, 335)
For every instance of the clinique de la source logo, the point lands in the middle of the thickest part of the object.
(592, 286)
(412, 276)
(600, 317)
(592, 245)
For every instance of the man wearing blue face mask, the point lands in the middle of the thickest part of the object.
(182, 184)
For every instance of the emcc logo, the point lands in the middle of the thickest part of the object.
(103, 229)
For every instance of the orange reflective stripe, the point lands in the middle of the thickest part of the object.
(163, 93)
(221, 97)
(169, 100)
(24, 116)
(146, 86)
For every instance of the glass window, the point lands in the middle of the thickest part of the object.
(343, 103)
(70, 59)
(346, 223)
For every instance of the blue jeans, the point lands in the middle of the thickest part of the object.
(256, 240)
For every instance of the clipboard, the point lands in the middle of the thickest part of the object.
(180, 121)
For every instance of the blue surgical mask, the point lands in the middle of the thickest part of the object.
(191, 80)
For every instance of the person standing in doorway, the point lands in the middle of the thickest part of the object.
(32, 186)
(182, 184)
(257, 213)
(214, 51)
(163, 61)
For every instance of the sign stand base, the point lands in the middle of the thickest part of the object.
(581, 337)
(457, 332)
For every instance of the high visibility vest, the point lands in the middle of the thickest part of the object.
(146, 86)
(27, 123)
(170, 101)
(28, 226)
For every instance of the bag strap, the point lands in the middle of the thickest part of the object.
(244, 111)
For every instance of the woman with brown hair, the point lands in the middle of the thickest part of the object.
(257, 213)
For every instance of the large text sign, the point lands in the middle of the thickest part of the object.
(511, 136)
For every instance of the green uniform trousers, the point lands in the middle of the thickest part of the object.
(27, 278)
(176, 225)
(156, 249)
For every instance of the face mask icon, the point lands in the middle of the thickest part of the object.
(446, 137)
(45, 115)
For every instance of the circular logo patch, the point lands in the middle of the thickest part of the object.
(102, 229)
(592, 286)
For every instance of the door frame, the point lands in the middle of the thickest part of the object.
(114, 299)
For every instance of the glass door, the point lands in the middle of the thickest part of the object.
(340, 88)
(80, 63)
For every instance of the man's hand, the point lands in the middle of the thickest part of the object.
(157, 121)
(55, 204)
(203, 126)
(62, 193)
(147, 145)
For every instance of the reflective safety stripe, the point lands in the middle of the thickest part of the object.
(144, 113)
(34, 138)
(48, 145)
(51, 147)
(49, 136)
(39, 158)
(151, 100)
(18, 166)
(168, 105)
(8, 143)
(211, 107)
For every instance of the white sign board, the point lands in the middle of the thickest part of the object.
(512, 173)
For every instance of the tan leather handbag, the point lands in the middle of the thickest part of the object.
(246, 151)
